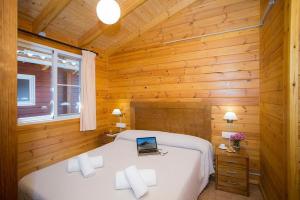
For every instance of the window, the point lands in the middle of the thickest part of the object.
(68, 85)
(48, 83)
(26, 90)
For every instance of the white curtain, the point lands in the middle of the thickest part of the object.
(88, 92)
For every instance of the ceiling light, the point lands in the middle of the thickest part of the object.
(108, 11)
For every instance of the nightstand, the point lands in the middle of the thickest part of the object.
(232, 171)
(104, 139)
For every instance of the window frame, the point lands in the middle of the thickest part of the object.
(31, 79)
(54, 83)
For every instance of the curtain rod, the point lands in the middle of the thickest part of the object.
(56, 41)
(261, 23)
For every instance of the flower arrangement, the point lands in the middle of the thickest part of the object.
(236, 139)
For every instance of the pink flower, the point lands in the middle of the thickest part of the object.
(237, 137)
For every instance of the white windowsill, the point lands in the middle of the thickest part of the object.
(45, 119)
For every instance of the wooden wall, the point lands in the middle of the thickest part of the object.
(220, 70)
(40, 145)
(273, 104)
(298, 147)
(8, 109)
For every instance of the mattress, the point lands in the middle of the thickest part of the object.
(179, 176)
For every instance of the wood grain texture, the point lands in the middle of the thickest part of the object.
(176, 117)
(273, 104)
(78, 24)
(298, 139)
(8, 109)
(292, 30)
(220, 70)
(94, 32)
(203, 17)
(48, 14)
(232, 171)
(172, 10)
(40, 145)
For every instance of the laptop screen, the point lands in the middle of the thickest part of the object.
(146, 143)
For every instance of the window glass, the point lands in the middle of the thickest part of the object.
(23, 90)
(34, 82)
(48, 83)
(26, 90)
(68, 85)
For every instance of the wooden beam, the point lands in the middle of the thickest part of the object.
(291, 45)
(157, 20)
(99, 28)
(8, 105)
(24, 24)
(48, 14)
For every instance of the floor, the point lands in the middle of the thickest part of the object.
(210, 193)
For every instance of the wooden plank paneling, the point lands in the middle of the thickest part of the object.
(154, 21)
(273, 130)
(220, 70)
(203, 17)
(298, 140)
(8, 109)
(40, 145)
(292, 30)
(278, 103)
(94, 32)
(50, 11)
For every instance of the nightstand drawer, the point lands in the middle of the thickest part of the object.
(232, 161)
(232, 182)
(231, 171)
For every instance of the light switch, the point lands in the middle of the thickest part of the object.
(227, 134)
(121, 125)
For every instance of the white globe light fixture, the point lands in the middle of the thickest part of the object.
(108, 11)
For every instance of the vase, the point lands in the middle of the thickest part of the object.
(236, 145)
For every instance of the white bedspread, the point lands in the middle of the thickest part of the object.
(181, 174)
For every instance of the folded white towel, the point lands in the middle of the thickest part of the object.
(148, 176)
(73, 164)
(86, 167)
(135, 181)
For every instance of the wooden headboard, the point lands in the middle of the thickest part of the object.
(191, 118)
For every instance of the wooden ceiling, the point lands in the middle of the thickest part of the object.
(75, 21)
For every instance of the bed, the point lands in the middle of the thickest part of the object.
(181, 174)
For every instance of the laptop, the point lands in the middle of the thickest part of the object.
(146, 146)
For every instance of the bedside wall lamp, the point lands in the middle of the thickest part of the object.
(117, 112)
(230, 117)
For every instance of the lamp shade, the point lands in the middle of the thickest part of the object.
(230, 116)
(108, 11)
(116, 111)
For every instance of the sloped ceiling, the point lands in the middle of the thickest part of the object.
(75, 21)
